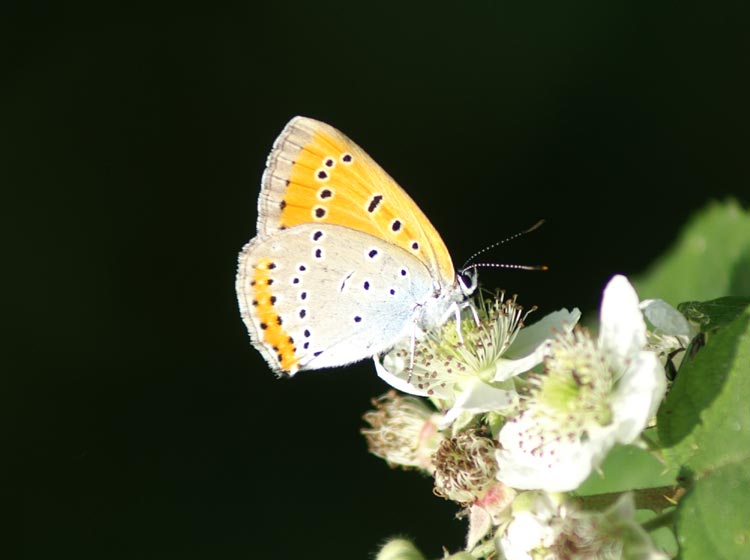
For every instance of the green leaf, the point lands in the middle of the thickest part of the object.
(706, 418)
(710, 259)
(705, 421)
(724, 433)
(627, 467)
(713, 519)
(710, 315)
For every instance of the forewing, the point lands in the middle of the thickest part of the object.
(315, 174)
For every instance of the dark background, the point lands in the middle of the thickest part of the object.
(132, 140)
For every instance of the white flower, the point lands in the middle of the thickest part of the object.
(465, 467)
(593, 394)
(544, 527)
(533, 529)
(465, 472)
(473, 373)
(403, 431)
(487, 512)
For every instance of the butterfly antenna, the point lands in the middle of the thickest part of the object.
(502, 242)
(506, 266)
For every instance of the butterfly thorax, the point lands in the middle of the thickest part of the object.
(446, 301)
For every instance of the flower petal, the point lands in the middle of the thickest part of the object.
(622, 331)
(528, 349)
(525, 533)
(638, 395)
(505, 369)
(476, 397)
(530, 338)
(395, 381)
(561, 467)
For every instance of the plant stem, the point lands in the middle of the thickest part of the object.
(656, 499)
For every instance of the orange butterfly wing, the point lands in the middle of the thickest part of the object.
(315, 174)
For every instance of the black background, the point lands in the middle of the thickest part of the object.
(142, 424)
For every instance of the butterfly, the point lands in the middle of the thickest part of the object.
(344, 265)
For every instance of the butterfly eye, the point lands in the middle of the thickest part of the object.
(467, 280)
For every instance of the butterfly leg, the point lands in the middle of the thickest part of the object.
(457, 314)
(473, 308)
(413, 344)
(458, 309)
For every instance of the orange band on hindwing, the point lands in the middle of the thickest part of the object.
(271, 324)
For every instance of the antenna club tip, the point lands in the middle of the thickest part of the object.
(537, 225)
(543, 267)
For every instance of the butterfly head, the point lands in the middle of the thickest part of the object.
(467, 279)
